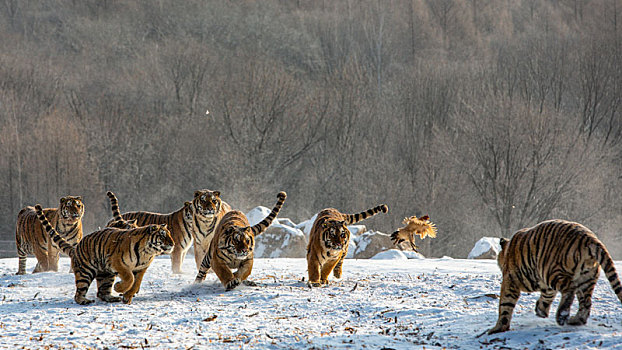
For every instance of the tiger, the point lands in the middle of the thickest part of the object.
(233, 247)
(30, 237)
(553, 256)
(111, 252)
(208, 209)
(420, 226)
(329, 240)
(180, 225)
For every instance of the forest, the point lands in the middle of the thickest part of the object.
(488, 116)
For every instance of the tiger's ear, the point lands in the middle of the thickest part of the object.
(79, 198)
(197, 193)
(63, 200)
(503, 242)
(131, 222)
(424, 218)
(164, 226)
(216, 193)
(343, 223)
(187, 204)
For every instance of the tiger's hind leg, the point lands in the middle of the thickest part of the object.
(563, 310)
(104, 288)
(83, 281)
(543, 305)
(584, 295)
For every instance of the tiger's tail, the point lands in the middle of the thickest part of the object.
(263, 225)
(606, 263)
(354, 218)
(64, 246)
(114, 203)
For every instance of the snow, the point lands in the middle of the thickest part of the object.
(484, 245)
(416, 304)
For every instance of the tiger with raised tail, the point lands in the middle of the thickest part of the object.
(111, 252)
(233, 247)
(31, 238)
(208, 209)
(553, 256)
(329, 240)
(180, 224)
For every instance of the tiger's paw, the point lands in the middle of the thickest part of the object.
(127, 299)
(232, 284)
(83, 301)
(314, 284)
(498, 329)
(577, 321)
(119, 288)
(249, 283)
(109, 298)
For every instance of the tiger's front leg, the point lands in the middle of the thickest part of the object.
(226, 277)
(244, 271)
(327, 268)
(129, 294)
(313, 268)
(507, 302)
(126, 276)
(53, 257)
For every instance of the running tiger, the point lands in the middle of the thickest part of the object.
(180, 224)
(414, 226)
(233, 245)
(208, 210)
(111, 252)
(30, 237)
(553, 256)
(328, 242)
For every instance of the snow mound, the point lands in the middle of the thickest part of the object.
(257, 214)
(485, 248)
(391, 254)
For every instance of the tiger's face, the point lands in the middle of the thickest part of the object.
(124, 224)
(240, 242)
(160, 239)
(71, 208)
(188, 212)
(335, 234)
(207, 203)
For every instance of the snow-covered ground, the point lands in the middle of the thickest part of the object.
(399, 304)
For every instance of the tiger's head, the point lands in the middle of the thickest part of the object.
(123, 224)
(159, 239)
(71, 209)
(335, 234)
(240, 242)
(501, 257)
(206, 203)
